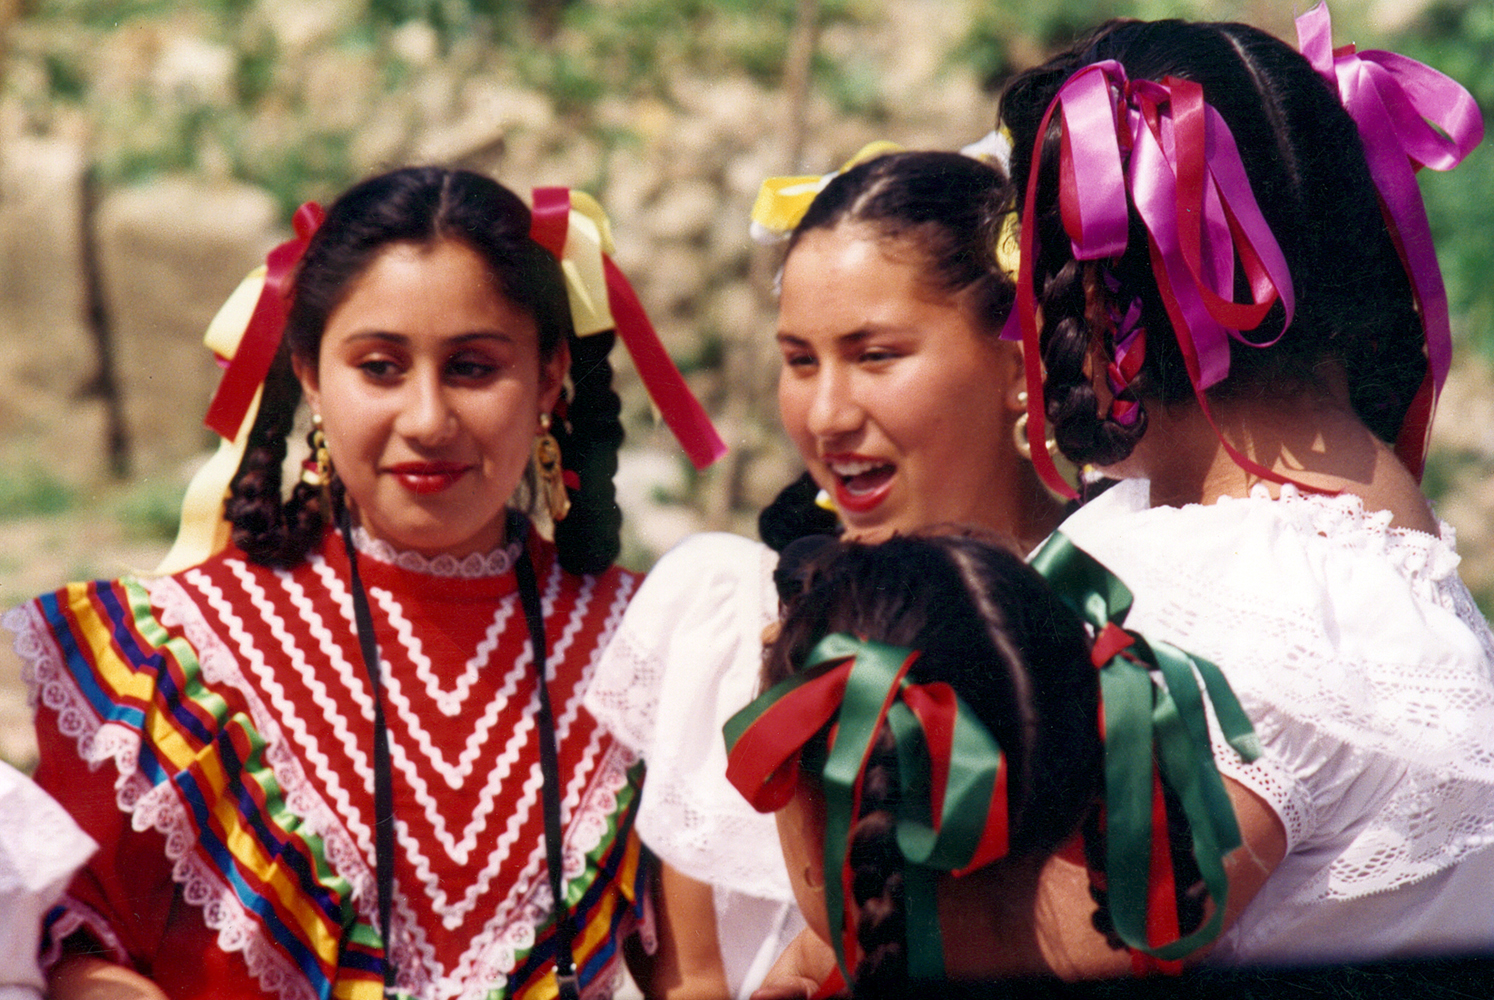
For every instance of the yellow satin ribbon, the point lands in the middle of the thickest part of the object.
(782, 201)
(203, 530)
(588, 237)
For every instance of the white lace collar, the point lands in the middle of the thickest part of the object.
(1340, 518)
(471, 567)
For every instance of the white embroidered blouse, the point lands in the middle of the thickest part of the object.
(1368, 672)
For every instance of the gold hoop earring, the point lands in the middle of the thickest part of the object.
(548, 469)
(1019, 432)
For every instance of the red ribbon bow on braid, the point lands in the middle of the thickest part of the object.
(952, 812)
(1173, 153)
(586, 263)
(251, 361)
(1155, 729)
(1396, 101)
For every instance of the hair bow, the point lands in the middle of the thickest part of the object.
(574, 229)
(1175, 155)
(1155, 728)
(244, 336)
(952, 812)
(782, 201)
(1395, 101)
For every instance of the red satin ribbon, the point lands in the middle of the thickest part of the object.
(764, 764)
(666, 386)
(250, 365)
(1189, 187)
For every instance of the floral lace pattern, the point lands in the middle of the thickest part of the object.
(686, 656)
(1355, 649)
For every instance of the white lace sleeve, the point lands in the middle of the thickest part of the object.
(1350, 645)
(40, 848)
(685, 658)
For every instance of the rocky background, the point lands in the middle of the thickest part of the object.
(152, 151)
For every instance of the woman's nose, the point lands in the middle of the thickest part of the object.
(834, 410)
(426, 415)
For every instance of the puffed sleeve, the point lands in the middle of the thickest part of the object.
(40, 848)
(686, 656)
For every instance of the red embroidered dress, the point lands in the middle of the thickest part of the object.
(213, 730)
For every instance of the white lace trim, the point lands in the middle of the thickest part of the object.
(1355, 649)
(148, 807)
(470, 567)
(494, 951)
(687, 656)
(77, 916)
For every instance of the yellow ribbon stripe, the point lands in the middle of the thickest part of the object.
(782, 201)
(587, 238)
(203, 532)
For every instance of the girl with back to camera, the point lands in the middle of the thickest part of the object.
(1230, 296)
(903, 404)
(346, 755)
(958, 687)
(932, 735)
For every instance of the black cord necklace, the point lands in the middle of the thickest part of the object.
(517, 526)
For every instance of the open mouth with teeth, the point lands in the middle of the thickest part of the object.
(860, 483)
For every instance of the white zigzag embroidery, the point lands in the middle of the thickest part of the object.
(514, 923)
(449, 702)
(452, 914)
(411, 945)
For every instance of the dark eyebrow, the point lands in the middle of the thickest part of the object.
(460, 339)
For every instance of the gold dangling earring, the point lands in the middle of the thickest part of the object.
(551, 475)
(317, 470)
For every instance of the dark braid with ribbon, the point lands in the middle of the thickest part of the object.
(963, 706)
(589, 432)
(1208, 172)
(961, 691)
(1168, 821)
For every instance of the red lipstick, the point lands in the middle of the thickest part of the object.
(428, 477)
(861, 483)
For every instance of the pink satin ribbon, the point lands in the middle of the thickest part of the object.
(666, 386)
(1409, 116)
(251, 361)
(1191, 192)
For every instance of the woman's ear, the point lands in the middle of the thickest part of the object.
(1014, 387)
(306, 374)
(552, 374)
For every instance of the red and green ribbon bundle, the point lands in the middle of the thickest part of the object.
(1155, 731)
(951, 774)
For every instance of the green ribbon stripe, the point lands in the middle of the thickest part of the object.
(1153, 695)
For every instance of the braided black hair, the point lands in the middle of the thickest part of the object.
(1307, 170)
(985, 623)
(949, 206)
(422, 205)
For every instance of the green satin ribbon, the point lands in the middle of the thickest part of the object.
(1154, 715)
(951, 813)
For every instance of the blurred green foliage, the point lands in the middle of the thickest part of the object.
(262, 119)
(270, 120)
(1457, 37)
(33, 490)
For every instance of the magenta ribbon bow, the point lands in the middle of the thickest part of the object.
(1189, 186)
(1400, 105)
